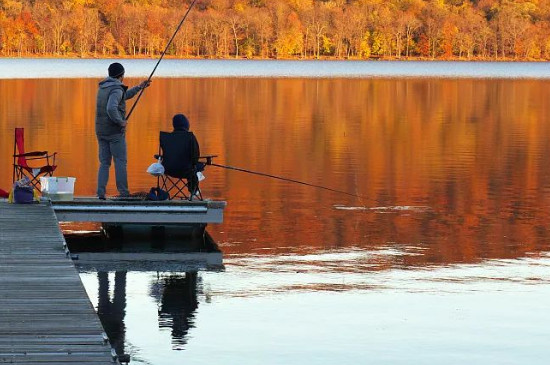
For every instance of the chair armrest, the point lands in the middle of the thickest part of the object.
(32, 154)
(208, 158)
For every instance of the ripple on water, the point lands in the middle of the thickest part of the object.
(388, 209)
(375, 270)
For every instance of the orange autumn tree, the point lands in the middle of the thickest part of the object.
(341, 29)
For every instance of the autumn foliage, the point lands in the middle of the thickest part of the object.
(356, 29)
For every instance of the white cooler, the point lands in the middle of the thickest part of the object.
(57, 188)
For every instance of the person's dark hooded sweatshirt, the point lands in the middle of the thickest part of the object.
(111, 106)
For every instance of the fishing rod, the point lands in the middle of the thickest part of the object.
(285, 179)
(162, 56)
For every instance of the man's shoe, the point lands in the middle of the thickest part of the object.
(102, 197)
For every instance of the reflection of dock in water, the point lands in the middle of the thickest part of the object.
(153, 234)
(179, 253)
(176, 256)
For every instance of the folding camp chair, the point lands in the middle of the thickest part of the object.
(179, 152)
(22, 169)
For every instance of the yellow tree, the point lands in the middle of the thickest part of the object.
(433, 17)
(409, 18)
(470, 31)
(510, 23)
(79, 30)
(263, 29)
(290, 41)
(108, 43)
(155, 29)
(358, 34)
(133, 18)
(316, 24)
(94, 28)
(2, 26)
(235, 20)
(341, 41)
(383, 31)
(59, 21)
(9, 36)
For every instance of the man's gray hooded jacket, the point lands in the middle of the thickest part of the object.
(111, 106)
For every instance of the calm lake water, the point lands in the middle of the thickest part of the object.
(443, 260)
(24, 68)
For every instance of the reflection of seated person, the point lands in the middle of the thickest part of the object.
(178, 304)
(181, 152)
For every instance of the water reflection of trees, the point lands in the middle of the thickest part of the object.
(177, 302)
(475, 151)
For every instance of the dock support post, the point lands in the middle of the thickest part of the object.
(112, 231)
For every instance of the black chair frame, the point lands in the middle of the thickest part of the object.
(176, 188)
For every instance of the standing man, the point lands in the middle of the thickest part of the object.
(110, 128)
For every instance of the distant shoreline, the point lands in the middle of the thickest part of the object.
(371, 59)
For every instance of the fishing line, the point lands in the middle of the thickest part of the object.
(285, 179)
(162, 56)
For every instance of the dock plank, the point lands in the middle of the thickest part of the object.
(140, 211)
(46, 316)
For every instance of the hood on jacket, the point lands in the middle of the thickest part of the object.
(109, 82)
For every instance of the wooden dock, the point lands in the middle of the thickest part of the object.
(46, 316)
(83, 209)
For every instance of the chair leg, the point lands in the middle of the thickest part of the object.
(196, 193)
(174, 187)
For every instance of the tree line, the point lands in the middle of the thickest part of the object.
(301, 29)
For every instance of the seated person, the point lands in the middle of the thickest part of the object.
(180, 150)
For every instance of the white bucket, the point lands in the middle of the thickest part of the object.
(57, 188)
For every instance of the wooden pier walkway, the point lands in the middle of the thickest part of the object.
(45, 314)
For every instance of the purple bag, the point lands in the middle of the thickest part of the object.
(23, 194)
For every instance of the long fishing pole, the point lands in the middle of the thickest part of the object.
(285, 179)
(162, 56)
